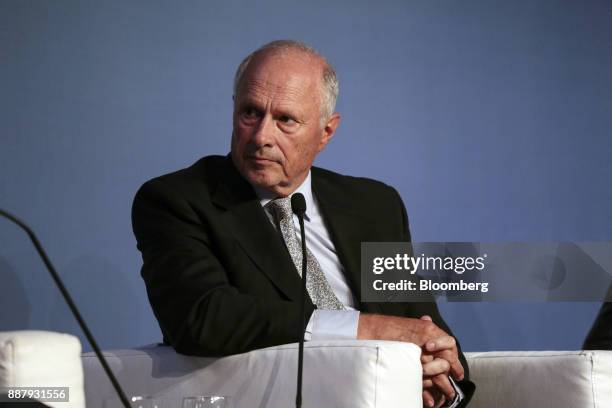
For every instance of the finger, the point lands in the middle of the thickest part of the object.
(426, 358)
(428, 399)
(427, 383)
(441, 402)
(446, 347)
(456, 368)
(433, 398)
(436, 367)
(443, 384)
(441, 343)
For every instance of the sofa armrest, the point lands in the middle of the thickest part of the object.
(356, 374)
(519, 379)
(34, 359)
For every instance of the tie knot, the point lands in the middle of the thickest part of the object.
(281, 207)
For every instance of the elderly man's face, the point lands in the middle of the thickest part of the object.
(277, 121)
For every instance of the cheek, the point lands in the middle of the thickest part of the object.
(286, 148)
(238, 149)
(297, 155)
(235, 144)
(240, 137)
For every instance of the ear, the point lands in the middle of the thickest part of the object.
(329, 130)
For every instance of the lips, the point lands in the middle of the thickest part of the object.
(261, 160)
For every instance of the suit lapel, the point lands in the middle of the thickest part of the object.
(348, 227)
(247, 221)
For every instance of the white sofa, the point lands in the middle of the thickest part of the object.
(355, 374)
(351, 374)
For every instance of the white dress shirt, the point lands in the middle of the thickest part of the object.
(323, 324)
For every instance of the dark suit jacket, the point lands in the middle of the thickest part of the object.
(218, 276)
(600, 335)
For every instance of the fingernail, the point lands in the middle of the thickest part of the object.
(431, 345)
(430, 403)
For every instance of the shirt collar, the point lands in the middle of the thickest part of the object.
(305, 188)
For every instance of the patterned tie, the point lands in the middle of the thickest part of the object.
(317, 285)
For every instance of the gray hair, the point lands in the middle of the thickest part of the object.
(330, 80)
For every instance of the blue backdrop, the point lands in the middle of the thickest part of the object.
(492, 119)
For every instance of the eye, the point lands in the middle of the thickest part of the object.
(287, 120)
(249, 112)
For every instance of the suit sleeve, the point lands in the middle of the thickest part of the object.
(198, 310)
(600, 335)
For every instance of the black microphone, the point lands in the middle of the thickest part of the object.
(298, 206)
(60, 285)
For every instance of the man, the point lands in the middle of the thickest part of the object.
(218, 240)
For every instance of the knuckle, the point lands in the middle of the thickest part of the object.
(442, 364)
(426, 358)
(449, 356)
(445, 365)
(430, 328)
(440, 380)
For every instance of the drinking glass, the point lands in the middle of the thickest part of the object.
(145, 402)
(135, 402)
(206, 402)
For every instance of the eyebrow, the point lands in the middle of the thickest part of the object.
(280, 110)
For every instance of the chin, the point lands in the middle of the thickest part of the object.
(260, 178)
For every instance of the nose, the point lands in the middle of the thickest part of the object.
(264, 132)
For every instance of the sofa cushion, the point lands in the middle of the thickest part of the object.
(42, 359)
(524, 379)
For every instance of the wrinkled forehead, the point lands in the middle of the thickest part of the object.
(287, 73)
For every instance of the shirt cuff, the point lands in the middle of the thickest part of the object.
(332, 325)
(459, 395)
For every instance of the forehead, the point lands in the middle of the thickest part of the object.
(282, 78)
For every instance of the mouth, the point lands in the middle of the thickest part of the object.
(260, 160)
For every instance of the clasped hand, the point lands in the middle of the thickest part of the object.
(439, 357)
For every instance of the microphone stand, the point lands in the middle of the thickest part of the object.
(58, 282)
(298, 207)
(298, 397)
